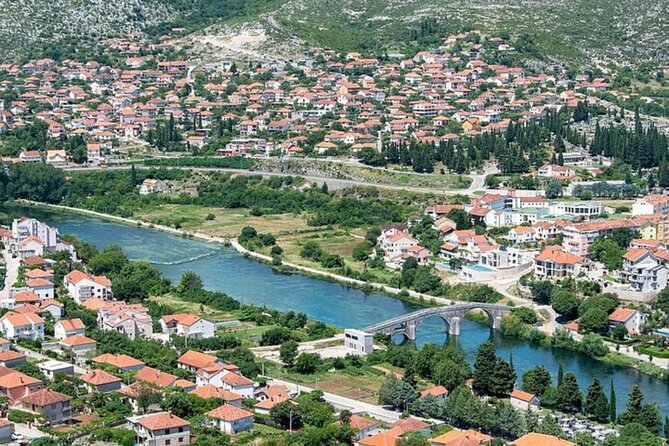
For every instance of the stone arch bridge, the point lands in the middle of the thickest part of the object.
(451, 315)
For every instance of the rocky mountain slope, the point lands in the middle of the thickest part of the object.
(571, 30)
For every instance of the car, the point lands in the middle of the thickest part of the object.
(17, 436)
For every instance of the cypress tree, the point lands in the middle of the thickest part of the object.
(560, 375)
(612, 403)
(596, 404)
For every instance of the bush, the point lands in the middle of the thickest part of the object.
(593, 345)
(19, 416)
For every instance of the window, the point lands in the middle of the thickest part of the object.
(168, 442)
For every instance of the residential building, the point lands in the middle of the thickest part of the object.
(6, 431)
(643, 271)
(555, 263)
(210, 391)
(193, 360)
(438, 392)
(11, 359)
(651, 204)
(53, 407)
(160, 429)
(68, 327)
(457, 437)
(231, 420)
(100, 381)
(579, 237)
(151, 186)
(130, 320)
(78, 345)
(81, 286)
(15, 385)
(364, 426)
(22, 326)
(123, 363)
(188, 325)
(24, 227)
(51, 368)
(358, 340)
(631, 319)
(524, 401)
(535, 439)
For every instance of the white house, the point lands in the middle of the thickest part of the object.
(160, 429)
(69, 327)
(151, 186)
(22, 326)
(130, 320)
(188, 325)
(42, 287)
(651, 204)
(643, 271)
(24, 227)
(524, 401)
(231, 420)
(81, 286)
(632, 320)
(395, 243)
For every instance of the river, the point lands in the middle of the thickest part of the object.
(251, 282)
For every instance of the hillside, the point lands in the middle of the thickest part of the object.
(567, 30)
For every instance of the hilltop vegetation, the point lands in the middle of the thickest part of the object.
(591, 31)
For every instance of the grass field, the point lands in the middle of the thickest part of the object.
(191, 307)
(364, 386)
(226, 222)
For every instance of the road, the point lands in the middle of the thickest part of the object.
(40, 357)
(478, 180)
(12, 273)
(341, 402)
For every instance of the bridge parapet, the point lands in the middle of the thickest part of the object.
(450, 314)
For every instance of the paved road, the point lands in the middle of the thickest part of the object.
(12, 267)
(333, 183)
(341, 402)
(28, 433)
(40, 357)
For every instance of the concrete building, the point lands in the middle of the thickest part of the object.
(524, 401)
(100, 381)
(632, 320)
(22, 326)
(81, 286)
(643, 271)
(651, 204)
(51, 368)
(358, 341)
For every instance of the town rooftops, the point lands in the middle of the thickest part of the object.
(181, 318)
(522, 395)
(535, 439)
(555, 254)
(434, 391)
(211, 391)
(77, 340)
(10, 355)
(156, 377)
(227, 412)
(20, 320)
(159, 421)
(72, 324)
(196, 359)
(98, 377)
(621, 314)
(236, 380)
(462, 438)
(121, 361)
(45, 397)
(410, 424)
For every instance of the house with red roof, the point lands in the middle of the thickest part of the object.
(524, 401)
(100, 381)
(231, 420)
(188, 325)
(68, 327)
(643, 270)
(81, 286)
(632, 320)
(555, 263)
(161, 428)
(54, 407)
(23, 326)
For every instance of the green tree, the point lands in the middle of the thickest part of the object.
(190, 281)
(362, 251)
(288, 353)
(484, 367)
(536, 380)
(565, 303)
(450, 374)
(286, 415)
(307, 363)
(569, 398)
(612, 402)
(595, 320)
(596, 405)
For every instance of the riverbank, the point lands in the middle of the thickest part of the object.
(414, 298)
(410, 296)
